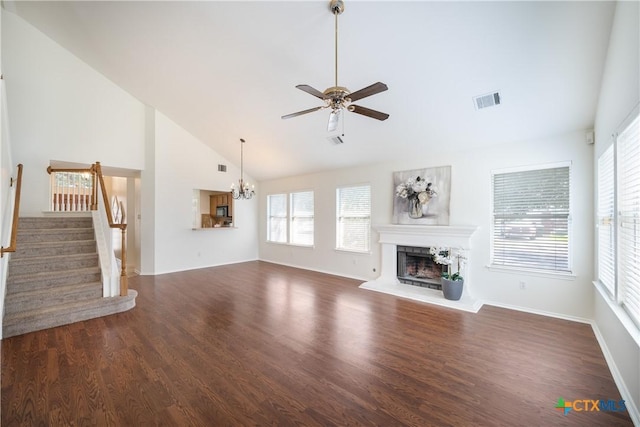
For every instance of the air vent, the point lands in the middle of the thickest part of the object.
(336, 139)
(486, 100)
(222, 168)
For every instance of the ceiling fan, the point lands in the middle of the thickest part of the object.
(339, 98)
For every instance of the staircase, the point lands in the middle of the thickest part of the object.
(54, 277)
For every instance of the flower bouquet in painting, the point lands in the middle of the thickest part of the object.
(421, 196)
(418, 193)
(452, 281)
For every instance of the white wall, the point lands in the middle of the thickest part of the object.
(187, 164)
(62, 109)
(470, 205)
(5, 172)
(619, 95)
(59, 108)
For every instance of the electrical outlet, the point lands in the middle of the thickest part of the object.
(522, 285)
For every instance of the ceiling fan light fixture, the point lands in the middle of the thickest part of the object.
(334, 118)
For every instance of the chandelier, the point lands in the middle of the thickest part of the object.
(243, 191)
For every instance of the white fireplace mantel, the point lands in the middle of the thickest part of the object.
(454, 236)
(392, 236)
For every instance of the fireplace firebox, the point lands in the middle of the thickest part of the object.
(416, 267)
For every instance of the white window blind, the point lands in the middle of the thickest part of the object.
(629, 218)
(353, 228)
(277, 218)
(606, 216)
(531, 219)
(302, 218)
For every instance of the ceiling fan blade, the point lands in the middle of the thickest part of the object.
(368, 112)
(367, 91)
(334, 118)
(311, 91)
(299, 113)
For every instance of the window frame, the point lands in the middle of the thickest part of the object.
(627, 277)
(338, 244)
(270, 216)
(534, 270)
(289, 218)
(293, 217)
(608, 219)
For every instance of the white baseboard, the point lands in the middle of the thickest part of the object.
(632, 407)
(540, 312)
(333, 273)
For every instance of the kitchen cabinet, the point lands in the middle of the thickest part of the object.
(221, 200)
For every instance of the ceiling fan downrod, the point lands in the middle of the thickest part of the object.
(340, 98)
(337, 7)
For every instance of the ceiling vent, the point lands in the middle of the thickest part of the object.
(222, 168)
(486, 100)
(336, 139)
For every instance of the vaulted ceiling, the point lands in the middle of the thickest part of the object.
(226, 70)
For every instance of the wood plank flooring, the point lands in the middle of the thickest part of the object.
(261, 344)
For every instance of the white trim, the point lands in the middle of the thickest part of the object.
(632, 407)
(457, 236)
(540, 312)
(629, 325)
(333, 273)
(196, 268)
(524, 168)
(352, 251)
(532, 272)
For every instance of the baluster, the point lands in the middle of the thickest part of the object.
(76, 188)
(65, 192)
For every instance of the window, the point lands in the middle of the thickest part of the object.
(293, 225)
(302, 218)
(531, 219)
(353, 228)
(628, 221)
(606, 215)
(277, 218)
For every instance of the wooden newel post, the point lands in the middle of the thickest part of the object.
(124, 284)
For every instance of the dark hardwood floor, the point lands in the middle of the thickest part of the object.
(261, 344)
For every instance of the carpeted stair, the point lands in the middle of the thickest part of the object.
(54, 276)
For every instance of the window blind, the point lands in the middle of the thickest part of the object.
(277, 218)
(606, 216)
(353, 228)
(302, 218)
(629, 218)
(531, 219)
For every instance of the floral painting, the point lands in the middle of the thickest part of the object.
(421, 196)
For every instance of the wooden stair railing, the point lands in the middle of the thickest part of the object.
(97, 177)
(16, 215)
(69, 193)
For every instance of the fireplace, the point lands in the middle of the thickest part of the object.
(416, 267)
(409, 245)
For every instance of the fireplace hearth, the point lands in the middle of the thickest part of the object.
(416, 267)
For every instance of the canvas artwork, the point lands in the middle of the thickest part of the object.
(421, 196)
